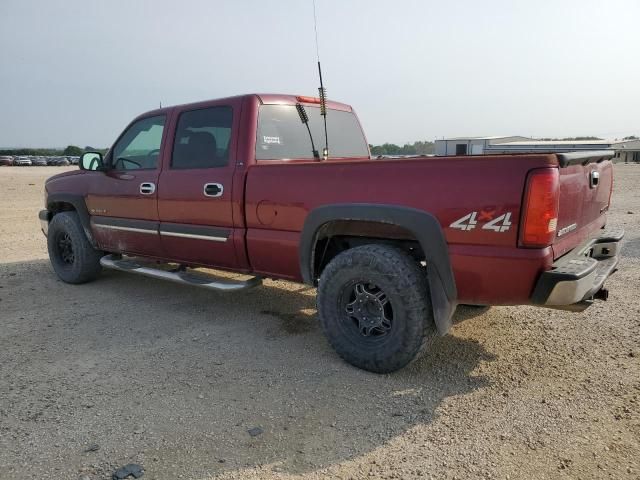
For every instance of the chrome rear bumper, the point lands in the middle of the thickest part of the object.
(576, 279)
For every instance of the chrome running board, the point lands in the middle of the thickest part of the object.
(198, 279)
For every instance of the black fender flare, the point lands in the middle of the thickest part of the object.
(80, 206)
(423, 225)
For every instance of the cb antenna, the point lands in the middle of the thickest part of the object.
(321, 91)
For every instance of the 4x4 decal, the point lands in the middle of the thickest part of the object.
(468, 222)
(499, 224)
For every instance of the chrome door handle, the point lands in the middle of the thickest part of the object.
(147, 188)
(213, 189)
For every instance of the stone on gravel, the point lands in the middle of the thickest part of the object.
(131, 469)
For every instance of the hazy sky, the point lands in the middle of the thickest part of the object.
(77, 71)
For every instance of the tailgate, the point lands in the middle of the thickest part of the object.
(586, 179)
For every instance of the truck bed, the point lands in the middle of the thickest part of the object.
(488, 265)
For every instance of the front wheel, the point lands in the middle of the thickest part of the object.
(73, 258)
(374, 307)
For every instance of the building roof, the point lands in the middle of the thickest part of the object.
(517, 143)
(495, 137)
(627, 145)
(547, 143)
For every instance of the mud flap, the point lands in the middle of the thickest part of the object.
(443, 308)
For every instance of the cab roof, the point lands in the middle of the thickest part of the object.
(262, 98)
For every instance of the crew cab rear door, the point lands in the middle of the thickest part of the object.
(123, 200)
(195, 194)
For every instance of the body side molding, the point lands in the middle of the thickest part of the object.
(197, 232)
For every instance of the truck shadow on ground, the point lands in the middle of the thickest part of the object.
(631, 246)
(194, 371)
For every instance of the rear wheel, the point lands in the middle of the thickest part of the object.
(374, 307)
(73, 258)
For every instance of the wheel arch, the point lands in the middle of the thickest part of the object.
(423, 227)
(64, 202)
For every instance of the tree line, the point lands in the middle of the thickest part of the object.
(69, 151)
(415, 148)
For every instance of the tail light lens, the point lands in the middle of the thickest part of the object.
(540, 209)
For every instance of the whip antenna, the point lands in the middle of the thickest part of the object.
(321, 91)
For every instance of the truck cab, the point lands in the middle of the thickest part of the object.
(172, 185)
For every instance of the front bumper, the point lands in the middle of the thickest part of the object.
(576, 279)
(44, 216)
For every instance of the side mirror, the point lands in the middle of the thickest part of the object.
(91, 161)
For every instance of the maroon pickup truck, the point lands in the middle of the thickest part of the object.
(393, 245)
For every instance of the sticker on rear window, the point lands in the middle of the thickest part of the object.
(275, 140)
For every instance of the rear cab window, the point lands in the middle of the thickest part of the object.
(281, 134)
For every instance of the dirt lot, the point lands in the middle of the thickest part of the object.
(173, 378)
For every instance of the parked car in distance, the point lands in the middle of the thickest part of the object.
(393, 245)
(22, 161)
(39, 161)
(73, 160)
(58, 161)
(6, 161)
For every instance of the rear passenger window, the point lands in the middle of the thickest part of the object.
(202, 138)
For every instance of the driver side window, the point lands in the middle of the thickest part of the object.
(139, 146)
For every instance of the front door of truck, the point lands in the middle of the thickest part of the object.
(123, 201)
(195, 204)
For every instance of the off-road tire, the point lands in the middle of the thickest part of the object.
(80, 262)
(403, 282)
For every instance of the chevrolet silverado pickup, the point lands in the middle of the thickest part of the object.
(393, 245)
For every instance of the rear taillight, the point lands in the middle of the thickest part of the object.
(540, 208)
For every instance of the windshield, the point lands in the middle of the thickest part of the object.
(282, 135)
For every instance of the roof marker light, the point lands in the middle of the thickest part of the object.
(308, 99)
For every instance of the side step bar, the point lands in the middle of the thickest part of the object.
(180, 276)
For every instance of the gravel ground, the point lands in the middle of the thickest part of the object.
(173, 378)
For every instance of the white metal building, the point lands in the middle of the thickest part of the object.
(556, 146)
(470, 145)
(627, 151)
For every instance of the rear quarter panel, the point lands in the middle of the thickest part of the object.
(487, 265)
